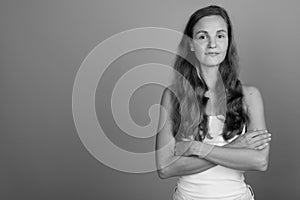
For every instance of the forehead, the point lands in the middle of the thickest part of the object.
(211, 23)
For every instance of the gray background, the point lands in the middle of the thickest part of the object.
(42, 46)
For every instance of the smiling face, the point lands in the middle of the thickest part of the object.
(210, 40)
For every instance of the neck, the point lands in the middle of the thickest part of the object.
(210, 74)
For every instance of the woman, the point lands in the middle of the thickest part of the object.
(211, 127)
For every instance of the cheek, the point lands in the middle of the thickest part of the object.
(200, 49)
(223, 46)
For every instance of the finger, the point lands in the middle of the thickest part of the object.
(256, 133)
(254, 143)
(262, 137)
(261, 147)
(262, 142)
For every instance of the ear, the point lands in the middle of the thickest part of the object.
(191, 44)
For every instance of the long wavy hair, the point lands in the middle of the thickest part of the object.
(188, 115)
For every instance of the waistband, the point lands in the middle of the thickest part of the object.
(248, 195)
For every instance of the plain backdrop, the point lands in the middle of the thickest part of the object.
(43, 44)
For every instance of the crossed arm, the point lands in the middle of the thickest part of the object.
(248, 152)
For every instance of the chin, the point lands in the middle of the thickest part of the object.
(212, 63)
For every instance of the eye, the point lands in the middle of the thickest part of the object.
(221, 36)
(202, 37)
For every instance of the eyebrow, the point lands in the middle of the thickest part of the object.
(218, 31)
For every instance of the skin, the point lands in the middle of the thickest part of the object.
(249, 151)
(210, 35)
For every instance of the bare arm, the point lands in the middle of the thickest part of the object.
(237, 158)
(240, 158)
(168, 164)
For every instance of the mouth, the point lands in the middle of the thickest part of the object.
(212, 53)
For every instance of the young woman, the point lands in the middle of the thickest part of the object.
(211, 127)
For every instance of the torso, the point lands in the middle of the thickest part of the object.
(245, 101)
(217, 182)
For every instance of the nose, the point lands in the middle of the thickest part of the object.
(212, 43)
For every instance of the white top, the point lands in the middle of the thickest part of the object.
(217, 182)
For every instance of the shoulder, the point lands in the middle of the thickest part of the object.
(255, 108)
(167, 92)
(167, 96)
(251, 93)
(252, 96)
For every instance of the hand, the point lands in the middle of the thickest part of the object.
(255, 139)
(193, 148)
(184, 148)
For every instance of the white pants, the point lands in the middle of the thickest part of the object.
(249, 195)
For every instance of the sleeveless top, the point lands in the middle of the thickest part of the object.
(218, 182)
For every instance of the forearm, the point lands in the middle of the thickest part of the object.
(183, 165)
(236, 158)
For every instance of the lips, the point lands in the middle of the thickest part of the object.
(212, 53)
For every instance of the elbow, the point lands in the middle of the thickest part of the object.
(165, 172)
(262, 164)
(161, 171)
(162, 174)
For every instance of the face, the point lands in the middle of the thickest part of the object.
(210, 40)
